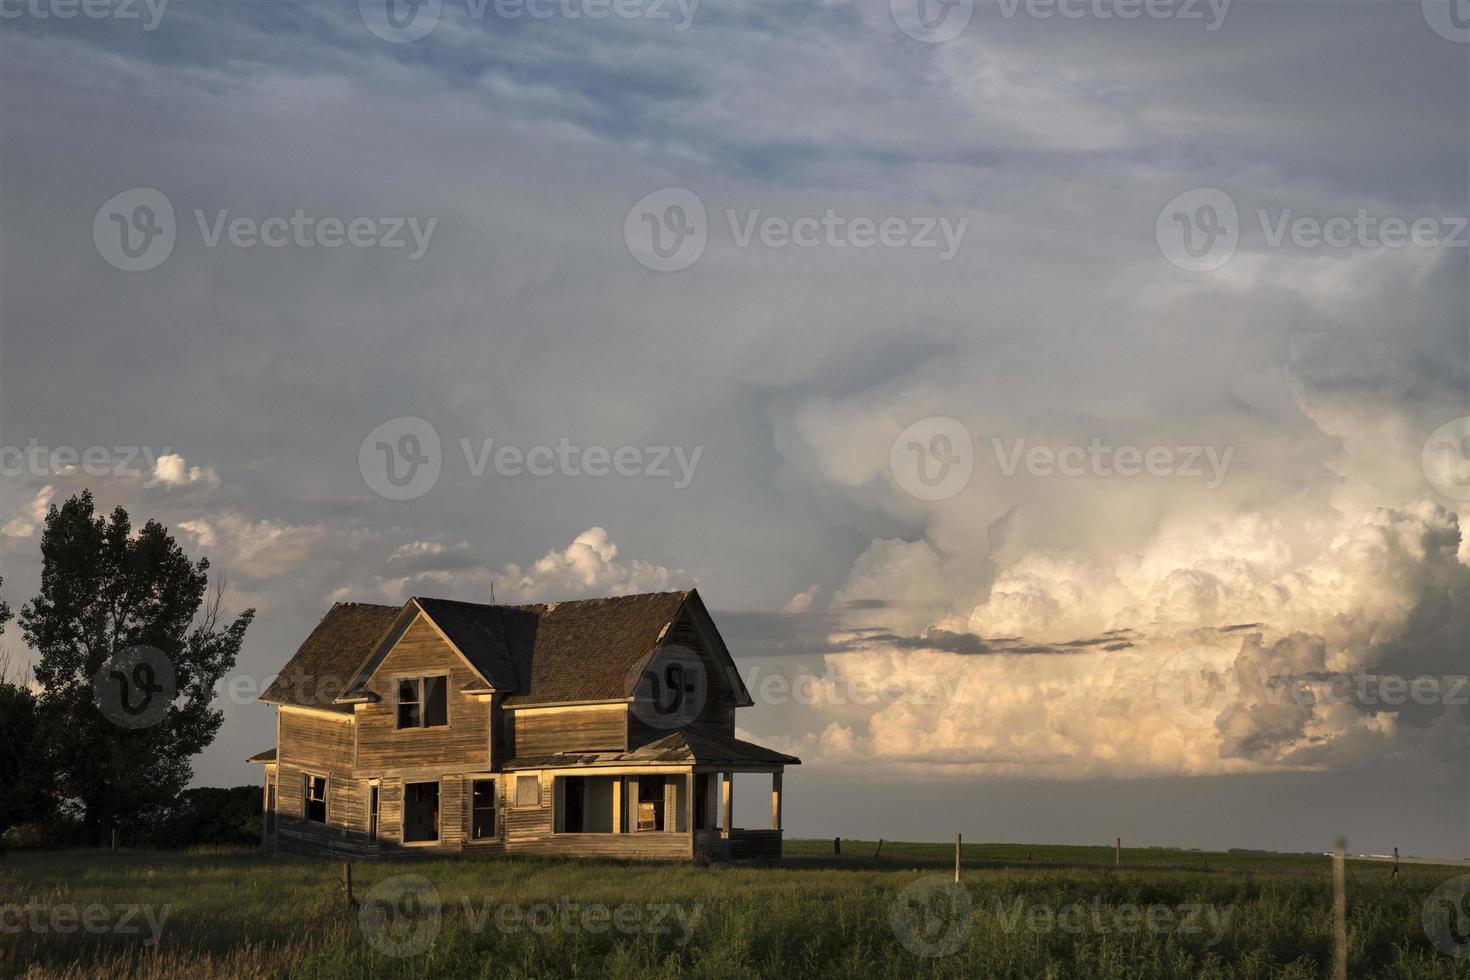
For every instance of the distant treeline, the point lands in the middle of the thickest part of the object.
(208, 816)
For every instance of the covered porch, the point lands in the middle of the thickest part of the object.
(674, 797)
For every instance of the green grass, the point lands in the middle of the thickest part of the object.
(235, 914)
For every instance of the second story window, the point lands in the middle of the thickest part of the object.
(315, 798)
(423, 702)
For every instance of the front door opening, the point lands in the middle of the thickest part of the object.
(587, 803)
(420, 812)
(650, 802)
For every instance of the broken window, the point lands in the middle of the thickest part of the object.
(316, 798)
(528, 791)
(423, 702)
(482, 809)
(420, 812)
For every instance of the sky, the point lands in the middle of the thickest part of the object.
(1064, 408)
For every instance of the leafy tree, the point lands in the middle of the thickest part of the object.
(106, 592)
(27, 774)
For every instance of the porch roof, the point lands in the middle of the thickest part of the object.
(687, 747)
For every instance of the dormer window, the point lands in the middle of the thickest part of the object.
(423, 702)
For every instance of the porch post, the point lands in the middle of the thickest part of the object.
(617, 805)
(689, 801)
(727, 801)
(776, 800)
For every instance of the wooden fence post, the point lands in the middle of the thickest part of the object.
(878, 850)
(114, 840)
(1339, 910)
(957, 858)
(837, 846)
(1118, 852)
(347, 881)
(1394, 871)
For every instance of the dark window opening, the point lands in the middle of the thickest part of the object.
(420, 812)
(316, 799)
(436, 701)
(408, 704)
(423, 702)
(482, 810)
(587, 804)
(650, 802)
(701, 801)
(372, 815)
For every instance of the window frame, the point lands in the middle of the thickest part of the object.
(439, 825)
(494, 835)
(307, 800)
(375, 807)
(421, 687)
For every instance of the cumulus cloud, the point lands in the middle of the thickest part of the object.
(30, 515)
(171, 470)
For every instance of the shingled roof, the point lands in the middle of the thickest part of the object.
(584, 650)
(589, 650)
(325, 663)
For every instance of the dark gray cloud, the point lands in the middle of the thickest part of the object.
(528, 321)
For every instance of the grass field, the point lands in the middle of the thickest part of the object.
(1023, 911)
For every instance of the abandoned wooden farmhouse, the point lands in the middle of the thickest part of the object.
(596, 727)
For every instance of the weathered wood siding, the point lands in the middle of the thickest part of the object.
(549, 731)
(463, 744)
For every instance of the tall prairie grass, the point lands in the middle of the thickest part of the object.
(238, 915)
